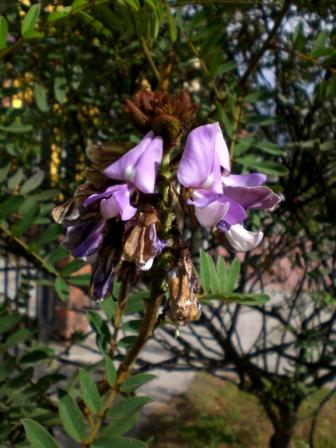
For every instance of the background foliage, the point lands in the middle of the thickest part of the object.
(267, 72)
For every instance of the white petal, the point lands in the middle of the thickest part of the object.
(241, 240)
(147, 265)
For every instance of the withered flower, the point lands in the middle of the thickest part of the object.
(184, 287)
(142, 244)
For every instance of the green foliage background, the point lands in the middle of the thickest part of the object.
(265, 70)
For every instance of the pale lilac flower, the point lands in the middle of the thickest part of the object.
(114, 201)
(204, 155)
(140, 165)
(222, 199)
(138, 168)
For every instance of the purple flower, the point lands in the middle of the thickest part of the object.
(222, 199)
(140, 165)
(84, 238)
(114, 201)
(102, 276)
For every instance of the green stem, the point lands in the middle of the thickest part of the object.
(124, 370)
(236, 122)
(40, 260)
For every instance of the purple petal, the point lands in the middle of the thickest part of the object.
(148, 165)
(202, 198)
(244, 180)
(222, 150)
(115, 201)
(211, 214)
(204, 153)
(241, 240)
(253, 197)
(102, 277)
(139, 165)
(157, 244)
(235, 215)
(98, 196)
(84, 238)
(214, 208)
(118, 204)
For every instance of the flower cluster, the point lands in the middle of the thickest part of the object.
(116, 217)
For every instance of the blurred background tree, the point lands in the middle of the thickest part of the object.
(267, 72)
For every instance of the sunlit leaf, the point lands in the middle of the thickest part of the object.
(30, 19)
(37, 435)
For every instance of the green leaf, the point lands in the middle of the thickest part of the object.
(8, 322)
(33, 34)
(4, 170)
(119, 442)
(299, 37)
(14, 181)
(94, 23)
(319, 43)
(205, 271)
(79, 280)
(270, 148)
(32, 183)
(59, 89)
(135, 381)
(134, 4)
(73, 266)
(233, 275)
(26, 221)
(126, 341)
(135, 302)
(259, 95)
(171, 23)
(71, 418)
(109, 307)
(16, 128)
(37, 355)
(221, 275)
(224, 68)
(40, 96)
(119, 426)
(111, 373)
(58, 254)
(30, 19)
(9, 206)
(214, 285)
(37, 435)
(58, 15)
(242, 299)
(61, 288)
(89, 391)
(101, 329)
(48, 236)
(17, 338)
(224, 119)
(128, 406)
(271, 168)
(3, 33)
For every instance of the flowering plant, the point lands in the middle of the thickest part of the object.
(126, 216)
